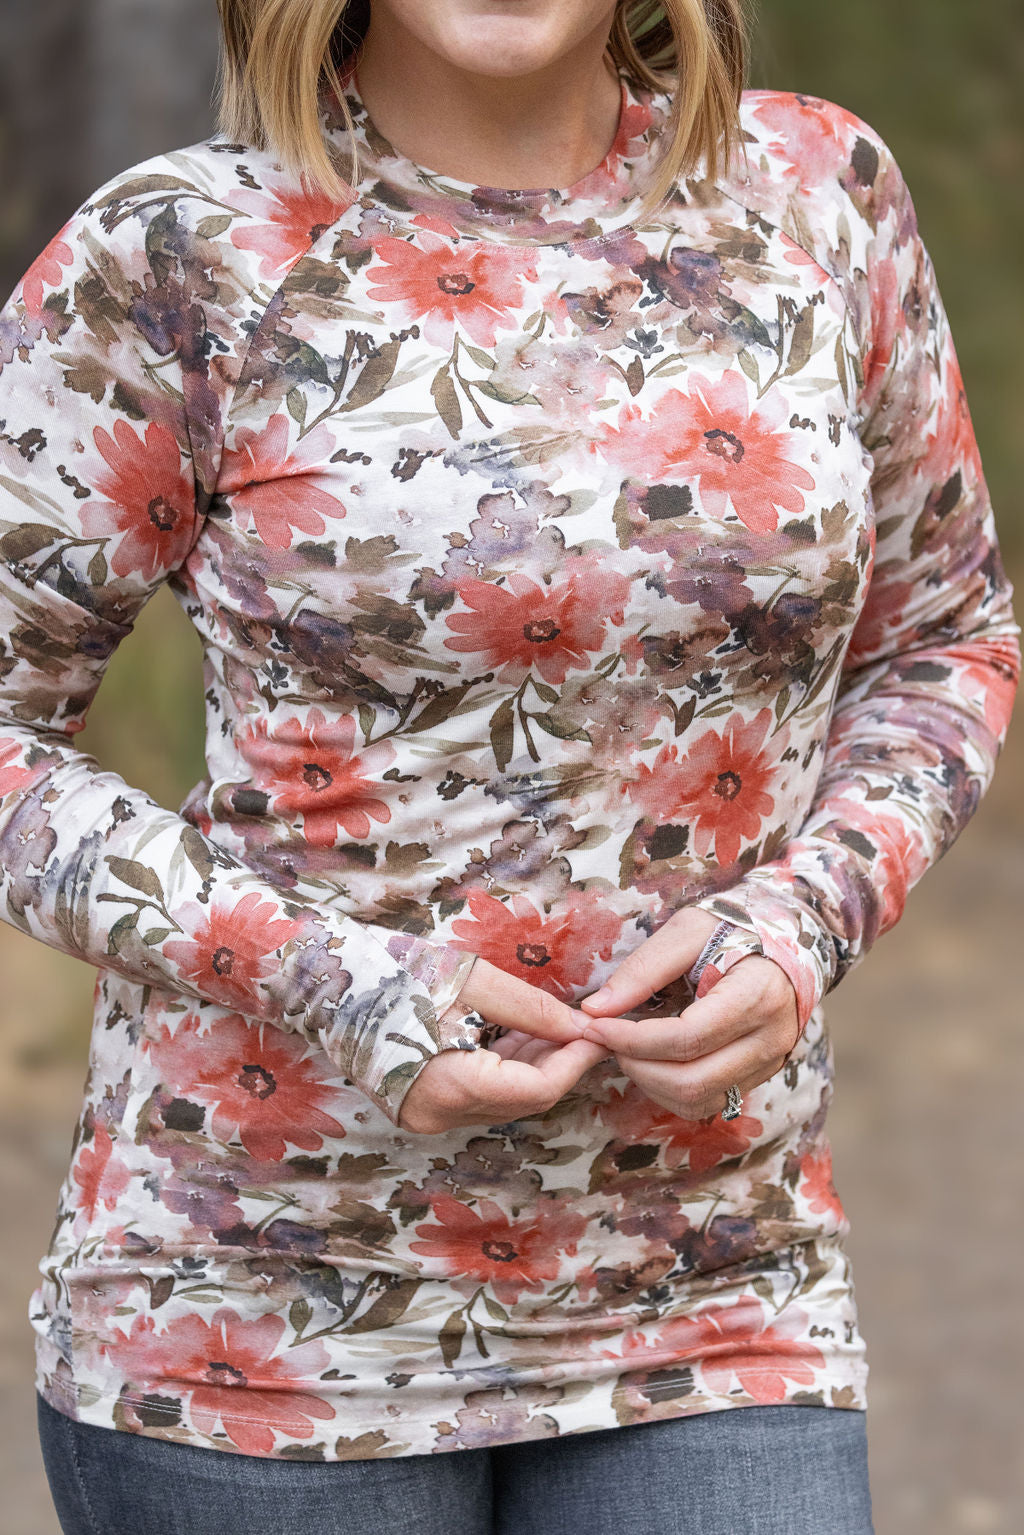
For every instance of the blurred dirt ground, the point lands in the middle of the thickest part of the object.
(927, 1139)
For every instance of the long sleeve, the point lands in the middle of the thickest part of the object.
(930, 671)
(119, 354)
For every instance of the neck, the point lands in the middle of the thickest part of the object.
(548, 128)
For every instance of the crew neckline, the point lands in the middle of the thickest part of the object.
(606, 199)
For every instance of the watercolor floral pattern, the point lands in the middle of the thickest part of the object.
(559, 561)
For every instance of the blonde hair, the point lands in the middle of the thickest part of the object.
(280, 56)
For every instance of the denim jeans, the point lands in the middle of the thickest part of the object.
(737, 1471)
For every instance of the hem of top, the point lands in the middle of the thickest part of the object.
(59, 1403)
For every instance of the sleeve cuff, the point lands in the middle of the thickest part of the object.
(727, 945)
(785, 934)
(382, 1033)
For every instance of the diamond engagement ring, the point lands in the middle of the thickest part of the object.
(733, 1102)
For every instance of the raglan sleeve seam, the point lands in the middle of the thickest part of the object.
(260, 317)
(172, 902)
(820, 258)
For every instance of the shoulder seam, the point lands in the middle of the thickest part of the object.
(229, 401)
(813, 255)
(265, 310)
(192, 187)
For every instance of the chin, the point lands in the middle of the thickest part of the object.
(507, 48)
(507, 66)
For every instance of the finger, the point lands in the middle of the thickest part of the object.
(660, 959)
(564, 1067)
(513, 1044)
(514, 1004)
(462, 1087)
(527, 1048)
(739, 1003)
(673, 1039)
(698, 1089)
(758, 985)
(514, 1089)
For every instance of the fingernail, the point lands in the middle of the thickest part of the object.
(602, 998)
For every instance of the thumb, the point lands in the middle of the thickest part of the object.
(664, 957)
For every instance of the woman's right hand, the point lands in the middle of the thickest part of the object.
(523, 1073)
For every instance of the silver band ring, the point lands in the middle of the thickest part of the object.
(696, 970)
(733, 1102)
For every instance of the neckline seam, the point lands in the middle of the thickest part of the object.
(461, 185)
(559, 221)
(404, 222)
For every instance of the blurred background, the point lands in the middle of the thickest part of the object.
(930, 1048)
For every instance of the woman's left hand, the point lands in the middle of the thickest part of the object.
(740, 1032)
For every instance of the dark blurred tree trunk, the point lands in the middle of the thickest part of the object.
(88, 87)
(44, 149)
(153, 65)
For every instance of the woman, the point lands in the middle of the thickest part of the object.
(604, 627)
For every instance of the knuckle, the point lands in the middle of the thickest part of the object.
(548, 1010)
(691, 1045)
(779, 980)
(768, 1056)
(693, 1097)
(781, 989)
(420, 1122)
(637, 970)
(441, 1090)
(691, 925)
(684, 921)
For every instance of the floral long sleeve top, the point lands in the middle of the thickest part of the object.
(559, 561)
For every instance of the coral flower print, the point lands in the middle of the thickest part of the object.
(899, 857)
(144, 495)
(264, 1085)
(734, 452)
(993, 685)
(721, 784)
(523, 625)
(739, 1343)
(216, 1364)
(812, 136)
(13, 773)
(101, 1177)
(310, 769)
(276, 491)
(47, 271)
(561, 560)
(289, 221)
(444, 286)
(873, 629)
(884, 292)
(701, 1143)
(488, 1248)
(951, 426)
(816, 1183)
(554, 952)
(635, 120)
(231, 948)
